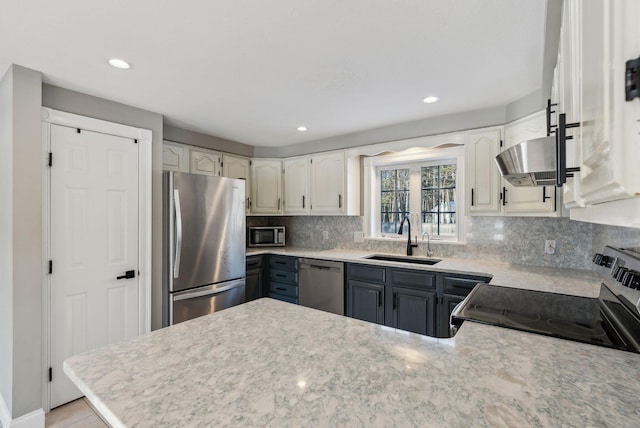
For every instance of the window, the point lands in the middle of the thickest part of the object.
(424, 187)
(438, 208)
(394, 198)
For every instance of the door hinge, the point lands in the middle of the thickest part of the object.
(50, 374)
(78, 130)
(311, 160)
(50, 159)
(135, 141)
(50, 267)
(221, 164)
(500, 143)
(250, 163)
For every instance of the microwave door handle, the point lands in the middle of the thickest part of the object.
(178, 251)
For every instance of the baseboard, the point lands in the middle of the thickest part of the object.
(5, 415)
(34, 419)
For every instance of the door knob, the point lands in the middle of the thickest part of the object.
(127, 275)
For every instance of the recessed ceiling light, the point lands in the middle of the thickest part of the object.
(119, 63)
(301, 128)
(430, 100)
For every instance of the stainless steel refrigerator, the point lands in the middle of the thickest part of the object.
(204, 245)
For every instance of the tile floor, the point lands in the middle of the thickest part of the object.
(77, 414)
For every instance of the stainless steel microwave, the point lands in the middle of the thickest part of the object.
(266, 236)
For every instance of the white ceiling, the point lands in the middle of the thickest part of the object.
(254, 70)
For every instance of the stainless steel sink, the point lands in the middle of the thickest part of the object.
(403, 259)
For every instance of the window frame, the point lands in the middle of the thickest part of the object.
(414, 159)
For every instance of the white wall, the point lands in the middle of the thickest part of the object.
(21, 247)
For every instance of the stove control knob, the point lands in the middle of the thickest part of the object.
(620, 274)
(597, 258)
(607, 261)
(631, 278)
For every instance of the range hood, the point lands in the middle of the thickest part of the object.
(530, 163)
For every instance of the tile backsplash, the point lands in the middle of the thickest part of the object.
(507, 239)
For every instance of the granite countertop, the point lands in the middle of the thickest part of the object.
(269, 363)
(556, 280)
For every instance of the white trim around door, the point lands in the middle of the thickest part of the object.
(144, 138)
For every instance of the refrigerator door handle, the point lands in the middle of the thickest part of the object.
(176, 262)
(206, 291)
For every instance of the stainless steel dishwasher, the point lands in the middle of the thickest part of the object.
(321, 285)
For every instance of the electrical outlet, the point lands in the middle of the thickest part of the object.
(325, 235)
(358, 236)
(550, 246)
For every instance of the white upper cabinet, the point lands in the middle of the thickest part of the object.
(238, 167)
(328, 187)
(567, 96)
(527, 201)
(609, 136)
(483, 178)
(205, 162)
(266, 186)
(296, 185)
(175, 157)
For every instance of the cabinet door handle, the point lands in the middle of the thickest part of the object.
(472, 196)
(544, 194)
(504, 196)
(379, 297)
(395, 301)
(278, 203)
(281, 289)
(281, 275)
(339, 201)
(303, 202)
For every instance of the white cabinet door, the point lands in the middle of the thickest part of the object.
(610, 126)
(266, 186)
(328, 190)
(205, 162)
(238, 167)
(518, 201)
(483, 178)
(175, 157)
(296, 185)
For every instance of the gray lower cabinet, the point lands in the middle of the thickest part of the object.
(455, 288)
(413, 300)
(366, 292)
(365, 301)
(254, 288)
(283, 278)
(413, 310)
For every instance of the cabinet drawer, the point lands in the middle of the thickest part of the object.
(413, 278)
(284, 298)
(286, 276)
(283, 289)
(366, 273)
(283, 262)
(461, 286)
(254, 262)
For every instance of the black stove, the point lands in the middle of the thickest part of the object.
(611, 320)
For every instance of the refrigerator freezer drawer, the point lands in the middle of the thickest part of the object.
(205, 300)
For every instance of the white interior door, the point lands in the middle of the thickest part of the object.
(94, 239)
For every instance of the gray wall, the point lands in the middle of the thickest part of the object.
(6, 238)
(184, 136)
(99, 108)
(21, 248)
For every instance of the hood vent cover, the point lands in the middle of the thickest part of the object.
(530, 163)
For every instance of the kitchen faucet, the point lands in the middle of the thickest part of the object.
(429, 252)
(410, 246)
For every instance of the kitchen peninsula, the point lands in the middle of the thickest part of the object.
(269, 363)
